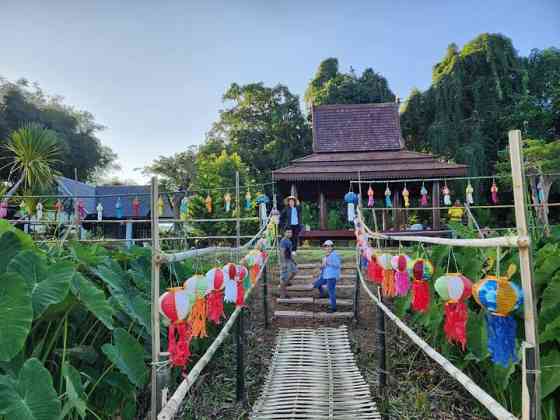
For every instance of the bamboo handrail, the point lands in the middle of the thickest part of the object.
(172, 406)
(478, 393)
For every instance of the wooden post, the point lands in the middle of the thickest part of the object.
(436, 225)
(155, 298)
(380, 346)
(322, 211)
(531, 386)
(397, 211)
(265, 295)
(239, 342)
(238, 221)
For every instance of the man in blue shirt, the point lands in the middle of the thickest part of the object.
(290, 218)
(330, 273)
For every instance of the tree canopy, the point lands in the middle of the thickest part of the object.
(22, 103)
(330, 86)
(263, 125)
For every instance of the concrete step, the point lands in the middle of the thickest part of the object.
(309, 287)
(318, 265)
(294, 315)
(313, 277)
(311, 300)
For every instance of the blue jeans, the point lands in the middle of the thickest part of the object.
(331, 287)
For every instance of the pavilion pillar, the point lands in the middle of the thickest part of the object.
(397, 212)
(435, 204)
(322, 210)
(293, 190)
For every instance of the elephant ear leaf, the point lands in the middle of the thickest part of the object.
(16, 315)
(76, 397)
(93, 299)
(128, 356)
(48, 285)
(32, 396)
(10, 245)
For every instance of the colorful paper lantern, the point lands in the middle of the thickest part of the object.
(406, 197)
(499, 297)
(388, 202)
(136, 207)
(388, 284)
(3, 209)
(39, 210)
(118, 208)
(208, 203)
(184, 208)
(198, 285)
(374, 270)
(423, 196)
(160, 206)
(175, 305)
(99, 209)
(469, 194)
(248, 200)
(455, 289)
(262, 200)
(351, 200)
(227, 202)
(494, 192)
(215, 279)
(422, 272)
(446, 195)
(371, 199)
(400, 264)
(230, 271)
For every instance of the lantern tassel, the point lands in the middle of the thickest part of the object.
(198, 317)
(179, 351)
(388, 285)
(455, 327)
(255, 270)
(420, 295)
(240, 294)
(216, 306)
(402, 283)
(501, 339)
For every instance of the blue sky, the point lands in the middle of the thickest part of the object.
(154, 71)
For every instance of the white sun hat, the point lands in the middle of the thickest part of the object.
(328, 242)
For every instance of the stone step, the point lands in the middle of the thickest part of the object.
(311, 300)
(318, 265)
(312, 315)
(313, 277)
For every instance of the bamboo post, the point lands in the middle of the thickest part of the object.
(356, 296)
(238, 213)
(531, 366)
(239, 344)
(155, 297)
(380, 346)
(436, 224)
(265, 295)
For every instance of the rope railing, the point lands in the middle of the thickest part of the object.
(169, 410)
(477, 392)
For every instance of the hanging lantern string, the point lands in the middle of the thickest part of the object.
(454, 260)
(448, 259)
(498, 257)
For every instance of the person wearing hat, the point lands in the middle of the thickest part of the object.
(330, 272)
(290, 218)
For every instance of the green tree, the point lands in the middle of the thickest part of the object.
(329, 86)
(464, 115)
(177, 171)
(263, 125)
(33, 151)
(80, 149)
(215, 176)
(542, 160)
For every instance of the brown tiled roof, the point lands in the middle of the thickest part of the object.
(370, 165)
(356, 127)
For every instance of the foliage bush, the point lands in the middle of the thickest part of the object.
(75, 336)
(503, 383)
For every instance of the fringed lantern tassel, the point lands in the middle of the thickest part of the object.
(216, 306)
(501, 339)
(455, 326)
(371, 271)
(402, 283)
(197, 317)
(420, 295)
(179, 350)
(255, 270)
(424, 200)
(240, 294)
(230, 295)
(389, 283)
(247, 280)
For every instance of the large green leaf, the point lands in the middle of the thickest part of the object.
(477, 341)
(25, 240)
(76, 397)
(32, 396)
(10, 245)
(551, 332)
(128, 356)
(112, 274)
(93, 299)
(48, 285)
(16, 314)
(550, 304)
(550, 377)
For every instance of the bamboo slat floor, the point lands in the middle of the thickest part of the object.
(313, 375)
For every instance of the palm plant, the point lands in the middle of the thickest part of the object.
(33, 151)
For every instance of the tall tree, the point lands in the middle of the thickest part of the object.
(464, 115)
(177, 172)
(329, 86)
(263, 125)
(22, 103)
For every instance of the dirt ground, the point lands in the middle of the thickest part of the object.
(416, 387)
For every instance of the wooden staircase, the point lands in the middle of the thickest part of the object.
(303, 302)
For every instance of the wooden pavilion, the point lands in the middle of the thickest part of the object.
(362, 141)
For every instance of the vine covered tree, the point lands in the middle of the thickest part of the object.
(329, 86)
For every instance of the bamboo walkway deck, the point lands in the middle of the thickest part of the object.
(313, 375)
